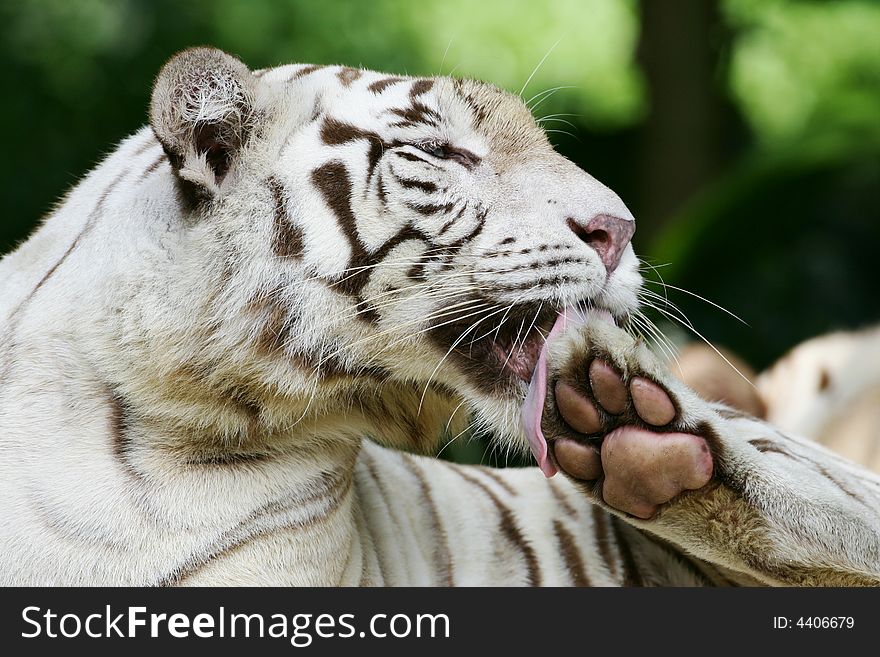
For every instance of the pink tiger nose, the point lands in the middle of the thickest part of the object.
(607, 235)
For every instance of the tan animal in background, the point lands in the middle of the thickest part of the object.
(826, 389)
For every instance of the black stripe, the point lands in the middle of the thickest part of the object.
(765, 445)
(542, 281)
(417, 114)
(603, 540)
(442, 553)
(429, 208)
(333, 181)
(481, 223)
(537, 264)
(305, 70)
(336, 133)
(373, 156)
(494, 476)
(561, 501)
(140, 150)
(571, 554)
(404, 234)
(348, 75)
(631, 575)
(379, 86)
(287, 239)
(508, 528)
(475, 106)
(227, 459)
(57, 520)
(732, 413)
(275, 332)
(412, 183)
(452, 221)
(380, 190)
(155, 165)
(385, 494)
(412, 157)
(420, 87)
(332, 485)
(120, 442)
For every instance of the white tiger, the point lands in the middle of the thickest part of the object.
(198, 341)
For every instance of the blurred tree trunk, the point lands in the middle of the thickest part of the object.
(692, 129)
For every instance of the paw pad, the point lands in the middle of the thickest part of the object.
(607, 433)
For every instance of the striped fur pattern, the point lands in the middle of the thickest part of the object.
(201, 343)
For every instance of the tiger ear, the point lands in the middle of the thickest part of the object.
(202, 111)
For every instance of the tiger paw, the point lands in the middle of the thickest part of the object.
(620, 436)
(613, 418)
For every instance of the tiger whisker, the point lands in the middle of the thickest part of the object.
(436, 293)
(563, 132)
(553, 116)
(646, 326)
(553, 120)
(544, 95)
(516, 338)
(470, 426)
(484, 308)
(691, 328)
(704, 299)
(452, 415)
(538, 67)
(444, 312)
(496, 329)
(446, 52)
(449, 351)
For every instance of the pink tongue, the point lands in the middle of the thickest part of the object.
(534, 405)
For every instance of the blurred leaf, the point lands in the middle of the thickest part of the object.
(800, 67)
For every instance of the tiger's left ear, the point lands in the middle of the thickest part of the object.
(202, 111)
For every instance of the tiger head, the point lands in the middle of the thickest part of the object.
(360, 237)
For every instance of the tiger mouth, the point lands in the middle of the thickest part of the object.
(519, 356)
(511, 350)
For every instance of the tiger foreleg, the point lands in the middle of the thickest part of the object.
(719, 485)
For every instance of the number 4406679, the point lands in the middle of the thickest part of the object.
(815, 622)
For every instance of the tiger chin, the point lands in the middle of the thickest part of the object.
(201, 343)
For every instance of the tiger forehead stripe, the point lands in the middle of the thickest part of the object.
(420, 87)
(305, 70)
(335, 133)
(475, 106)
(379, 86)
(417, 113)
(348, 75)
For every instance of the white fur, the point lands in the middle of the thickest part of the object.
(134, 352)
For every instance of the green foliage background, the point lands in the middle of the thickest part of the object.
(744, 134)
